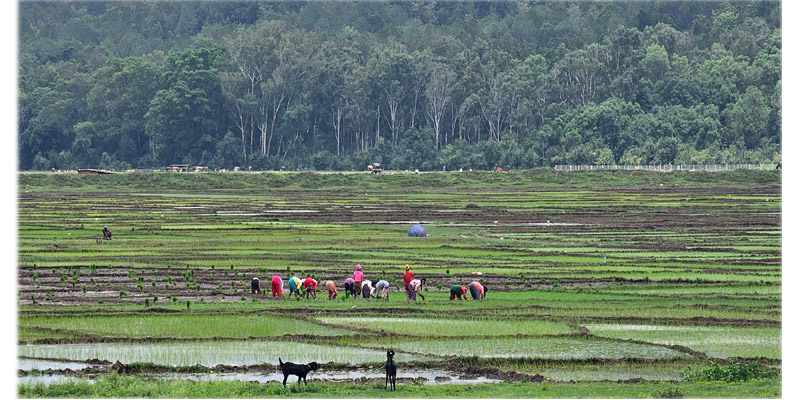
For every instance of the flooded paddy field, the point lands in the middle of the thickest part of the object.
(591, 277)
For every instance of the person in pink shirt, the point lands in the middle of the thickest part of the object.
(358, 278)
(477, 291)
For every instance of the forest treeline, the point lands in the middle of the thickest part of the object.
(337, 85)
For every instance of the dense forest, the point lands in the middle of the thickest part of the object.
(410, 84)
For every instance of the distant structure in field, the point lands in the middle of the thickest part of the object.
(417, 231)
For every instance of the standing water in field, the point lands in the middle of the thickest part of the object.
(208, 353)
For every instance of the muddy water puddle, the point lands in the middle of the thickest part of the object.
(49, 379)
(29, 364)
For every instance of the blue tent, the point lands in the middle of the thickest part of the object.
(417, 231)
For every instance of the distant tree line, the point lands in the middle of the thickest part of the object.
(337, 85)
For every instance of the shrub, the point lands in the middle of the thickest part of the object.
(735, 372)
(673, 392)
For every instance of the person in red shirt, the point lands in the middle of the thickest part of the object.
(407, 277)
(310, 284)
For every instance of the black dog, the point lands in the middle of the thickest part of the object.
(391, 369)
(301, 370)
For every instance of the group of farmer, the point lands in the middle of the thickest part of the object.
(356, 286)
(476, 290)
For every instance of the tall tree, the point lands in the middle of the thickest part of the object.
(184, 118)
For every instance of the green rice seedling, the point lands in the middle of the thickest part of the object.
(672, 392)
(715, 341)
(83, 289)
(212, 353)
(146, 303)
(122, 293)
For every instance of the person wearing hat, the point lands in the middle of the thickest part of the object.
(407, 277)
(358, 278)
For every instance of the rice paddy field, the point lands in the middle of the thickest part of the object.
(600, 284)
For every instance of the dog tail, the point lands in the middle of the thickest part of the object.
(279, 360)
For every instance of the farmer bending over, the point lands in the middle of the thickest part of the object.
(310, 284)
(106, 233)
(382, 288)
(458, 291)
(414, 289)
(294, 286)
(348, 288)
(331, 289)
(366, 288)
(477, 291)
(255, 286)
(277, 286)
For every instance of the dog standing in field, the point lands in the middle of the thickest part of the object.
(301, 370)
(391, 369)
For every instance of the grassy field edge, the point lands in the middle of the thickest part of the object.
(126, 386)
